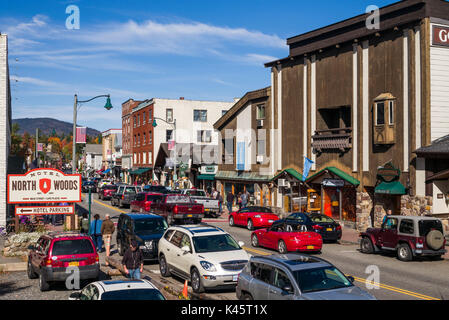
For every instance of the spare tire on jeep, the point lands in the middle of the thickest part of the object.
(435, 239)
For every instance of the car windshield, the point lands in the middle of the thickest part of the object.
(196, 193)
(425, 226)
(317, 218)
(179, 199)
(150, 226)
(133, 294)
(221, 242)
(70, 247)
(260, 209)
(320, 279)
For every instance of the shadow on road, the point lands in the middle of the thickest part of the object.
(9, 287)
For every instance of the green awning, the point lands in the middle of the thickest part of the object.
(243, 176)
(341, 174)
(394, 187)
(295, 174)
(210, 177)
(139, 171)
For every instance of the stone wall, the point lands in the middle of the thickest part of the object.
(382, 203)
(364, 205)
(416, 205)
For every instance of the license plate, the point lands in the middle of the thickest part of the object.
(189, 216)
(235, 278)
(310, 247)
(206, 209)
(74, 264)
(329, 229)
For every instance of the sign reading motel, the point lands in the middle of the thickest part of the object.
(440, 36)
(44, 186)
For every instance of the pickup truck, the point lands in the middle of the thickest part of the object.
(124, 195)
(211, 206)
(177, 209)
(142, 202)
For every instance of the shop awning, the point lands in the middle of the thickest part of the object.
(339, 173)
(210, 177)
(139, 171)
(393, 188)
(244, 176)
(295, 174)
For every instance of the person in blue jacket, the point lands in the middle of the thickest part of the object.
(95, 232)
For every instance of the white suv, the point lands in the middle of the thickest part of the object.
(205, 255)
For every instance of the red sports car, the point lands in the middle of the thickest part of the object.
(253, 217)
(287, 237)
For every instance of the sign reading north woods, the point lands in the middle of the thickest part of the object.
(44, 186)
(44, 210)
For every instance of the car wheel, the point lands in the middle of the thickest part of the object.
(282, 247)
(254, 241)
(30, 272)
(231, 221)
(163, 267)
(195, 279)
(404, 252)
(246, 296)
(366, 245)
(250, 225)
(43, 283)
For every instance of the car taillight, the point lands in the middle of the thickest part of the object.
(97, 259)
(147, 205)
(338, 228)
(420, 241)
(123, 197)
(175, 210)
(48, 262)
(317, 227)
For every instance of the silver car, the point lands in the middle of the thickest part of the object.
(295, 277)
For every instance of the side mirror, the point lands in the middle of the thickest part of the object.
(75, 295)
(185, 249)
(287, 290)
(351, 278)
(241, 243)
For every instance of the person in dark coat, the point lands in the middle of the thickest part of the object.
(133, 261)
(229, 201)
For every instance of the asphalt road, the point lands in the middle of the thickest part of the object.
(416, 280)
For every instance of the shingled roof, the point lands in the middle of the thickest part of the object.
(438, 148)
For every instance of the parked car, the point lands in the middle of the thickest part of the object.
(328, 228)
(118, 290)
(296, 277)
(211, 206)
(145, 229)
(155, 189)
(178, 209)
(53, 253)
(253, 217)
(143, 200)
(286, 236)
(103, 182)
(124, 195)
(409, 236)
(106, 191)
(86, 185)
(205, 255)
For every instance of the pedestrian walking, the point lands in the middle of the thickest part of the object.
(229, 201)
(95, 232)
(244, 200)
(84, 223)
(220, 202)
(107, 229)
(133, 261)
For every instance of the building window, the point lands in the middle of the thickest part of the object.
(223, 112)
(138, 120)
(150, 138)
(135, 141)
(144, 138)
(143, 118)
(169, 115)
(150, 157)
(384, 128)
(138, 140)
(391, 117)
(135, 122)
(204, 136)
(144, 155)
(200, 115)
(168, 136)
(260, 112)
(380, 113)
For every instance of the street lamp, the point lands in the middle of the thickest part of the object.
(175, 176)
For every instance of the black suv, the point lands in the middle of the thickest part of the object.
(124, 195)
(146, 229)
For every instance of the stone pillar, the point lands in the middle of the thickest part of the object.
(364, 204)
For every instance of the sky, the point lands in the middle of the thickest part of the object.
(140, 49)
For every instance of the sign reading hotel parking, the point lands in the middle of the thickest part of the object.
(440, 36)
(45, 210)
(44, 186)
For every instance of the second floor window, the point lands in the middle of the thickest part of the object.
(144, 138)
(138, 120)
(204, 136)
(169, 115)
(260, 112)
(169, 134)
(200, 115)
(150, 138)
(143, 118)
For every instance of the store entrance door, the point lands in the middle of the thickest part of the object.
(331, 202)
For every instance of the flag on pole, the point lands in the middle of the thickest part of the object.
(81, 135)
(171, 145)
(307, 165)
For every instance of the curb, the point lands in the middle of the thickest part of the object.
(13, 267)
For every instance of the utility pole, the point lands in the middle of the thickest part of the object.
(75, 105)
(37, 152)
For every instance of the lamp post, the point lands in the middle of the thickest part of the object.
(107, 106)
(175, 176)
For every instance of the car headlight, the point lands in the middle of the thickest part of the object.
(208, 266)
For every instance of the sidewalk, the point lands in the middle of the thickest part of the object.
(349, 236)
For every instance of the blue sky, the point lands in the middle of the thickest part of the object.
(202, 50)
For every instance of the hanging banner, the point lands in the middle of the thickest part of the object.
(40, 147)
(240, 158)
(81, 134)
(307, 165)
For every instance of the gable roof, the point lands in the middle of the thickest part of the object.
(438, 148)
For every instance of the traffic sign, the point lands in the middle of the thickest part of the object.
(44, 185)
(51, 210)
